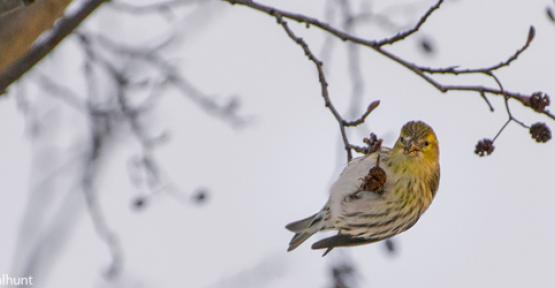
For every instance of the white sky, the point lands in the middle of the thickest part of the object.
(491, 224)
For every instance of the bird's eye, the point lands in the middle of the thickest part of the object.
(426, 143)
(402, 139)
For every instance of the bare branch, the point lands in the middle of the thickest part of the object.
(537, 101)
(483, 95)
(362, 118)
(41, 49)
(405, 34)
(325, 93)
(505, 63)
(323, 84)
(418, 70)
(227, 111)
(99, 221)
(309, 21)
(63, 93)
(20, 29)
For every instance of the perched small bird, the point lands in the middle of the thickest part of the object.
(360, 216)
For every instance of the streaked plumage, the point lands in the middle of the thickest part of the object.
(360, 217)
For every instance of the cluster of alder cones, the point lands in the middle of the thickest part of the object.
(538, 131)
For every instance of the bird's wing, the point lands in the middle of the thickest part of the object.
(341, 240)
(350, 182)
(352, 177)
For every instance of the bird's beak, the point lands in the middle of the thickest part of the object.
(411, 148)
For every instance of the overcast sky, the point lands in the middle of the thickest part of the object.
(490, 225)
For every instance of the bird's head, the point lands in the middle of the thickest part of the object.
(417, 142)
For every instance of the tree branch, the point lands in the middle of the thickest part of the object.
(405, 34)
(41, 49)
(418, 70)
(228, 111)
(424, 72)
(19, 29)
(325, 93)
(505, 63)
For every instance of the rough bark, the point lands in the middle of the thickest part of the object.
(18, 30)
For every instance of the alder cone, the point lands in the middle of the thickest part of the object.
(540, 132)
(375, 180)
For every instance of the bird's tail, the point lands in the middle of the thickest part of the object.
(305, 228)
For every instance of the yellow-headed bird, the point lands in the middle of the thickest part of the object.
(360, 217)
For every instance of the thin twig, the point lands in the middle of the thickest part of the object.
(505, 63)
(90, 173)
(485, 98)
(501, 130)
(325, 93)
(227, 111)
(423, 72)
(362, 118)
(323, 84)
(61, 92)
(405, 34)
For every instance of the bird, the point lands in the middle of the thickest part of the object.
(361, 216)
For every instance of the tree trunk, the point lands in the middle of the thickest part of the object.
(19, 29)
